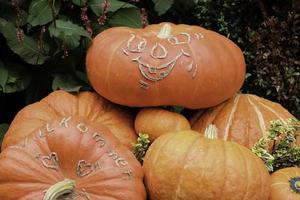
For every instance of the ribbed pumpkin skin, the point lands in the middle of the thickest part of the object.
(280, 185)
(185, 166)
(27, 170)
(60, 104)
(242, 119)
(208, 67)
(157, 121)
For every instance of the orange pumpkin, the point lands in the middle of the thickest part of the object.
(186, 165)
(70, 159)
(60, 104)
(243, 118)
(285, 184)
(165, 64)
(157, 121)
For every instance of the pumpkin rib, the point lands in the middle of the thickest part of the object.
(259, 115)
(269, 108)
(183, 164)
(230, 117)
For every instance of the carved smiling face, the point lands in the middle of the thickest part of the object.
(163, 65)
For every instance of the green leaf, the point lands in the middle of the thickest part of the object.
(114, 5)
(79, 2)
(40, 12)
(68, 33)
(66, 82)
(129, 17)
(27, 49)
(162, 6)
(13, 78)
(3, 130)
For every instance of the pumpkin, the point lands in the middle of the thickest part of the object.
(185, 165)
(165, 64)
(245, 118)
(285, 184)
(157, 121)
(84, 104)
(70, 158)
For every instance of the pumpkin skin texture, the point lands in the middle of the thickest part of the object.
(84, 104)
(157, 121)
(78, 150)
(285, 184)
(242, 119)
(185, 165)
(165, 64)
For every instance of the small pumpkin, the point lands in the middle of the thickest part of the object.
(165, 64)
(185, 165)
(70, 158)
(158, 121)
(84, 104)
(244, 119)
(285, 184)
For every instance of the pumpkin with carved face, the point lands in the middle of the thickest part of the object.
(165, 64)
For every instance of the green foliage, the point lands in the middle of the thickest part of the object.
(3, 129)
(141, 147)
(162, 6)
(279, 149)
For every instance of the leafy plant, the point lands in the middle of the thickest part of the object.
(142, 145)
(279, 149)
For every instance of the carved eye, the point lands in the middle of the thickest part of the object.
(181, 38)
(140, 44)
(158, 51)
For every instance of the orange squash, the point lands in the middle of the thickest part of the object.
(285, 184)
(70, 159)
(165, 64)
(242, 119)
(185, 165)
(157, 121)
(61, 104)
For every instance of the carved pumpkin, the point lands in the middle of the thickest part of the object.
(165, 64)
(157, 121)
(186, 165)
(70, 158)
(84, 104)
(243, 118)
(285, 184)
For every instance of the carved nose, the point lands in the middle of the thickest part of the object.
(158, 51)
(165, 31)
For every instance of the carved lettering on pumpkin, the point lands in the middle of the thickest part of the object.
(51, 161)
(127, 175)
(113, 154)
(199, 36)
(49, 128)
(85, 168)
(99, 139)
(82, 127)
(64, 122)
(119, 161)
(144, 85)
(41, 134)
(176, 41)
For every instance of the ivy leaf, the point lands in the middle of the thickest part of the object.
(129, 17)
(79, 2)
(27, 49)
(162, 6)
(3, 130)
(67, 32)
(114, 5)
(65, 82)
(13, 77)
(40, 12)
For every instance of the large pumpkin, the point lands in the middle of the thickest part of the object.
(70, 159)
(187, 166)
(243, 118)
(165, 64)
(157, 121)
(285, 184)
(59, 104)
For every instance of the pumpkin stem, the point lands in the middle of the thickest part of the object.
(59, 189)
(295, 184)
(165, 31)
(211, 132)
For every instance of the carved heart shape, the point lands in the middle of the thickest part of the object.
(50, 161)
(84, 168)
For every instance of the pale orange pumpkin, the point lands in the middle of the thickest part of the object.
(245, 118)
(157, 121)
(70, 159)
(187, 166)
(285, 184)
(165, 64)
(60, 104)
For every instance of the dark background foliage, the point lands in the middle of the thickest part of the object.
(43, 42)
